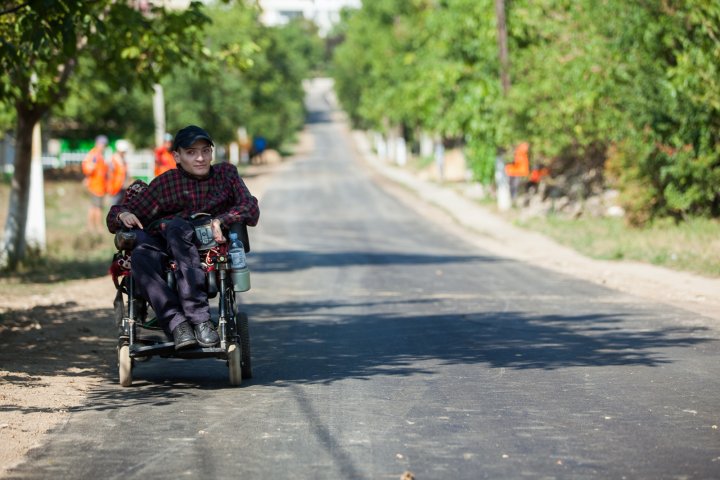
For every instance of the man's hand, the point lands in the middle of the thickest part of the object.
(129, 220)
(217, 231)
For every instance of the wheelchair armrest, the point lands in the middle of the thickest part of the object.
(242, 233)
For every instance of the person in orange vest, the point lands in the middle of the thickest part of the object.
(95, 170)
(519, 169)
(539, 172)
(164, 159)
(117, 172)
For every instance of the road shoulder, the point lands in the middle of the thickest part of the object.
(490, 232)
(57, 344)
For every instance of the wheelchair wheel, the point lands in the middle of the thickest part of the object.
(119, 308)
(241, 320)
(125, 365)
(234, 364)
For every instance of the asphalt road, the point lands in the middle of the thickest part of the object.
(381, 344)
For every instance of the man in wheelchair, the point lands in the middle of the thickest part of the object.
(161, 215)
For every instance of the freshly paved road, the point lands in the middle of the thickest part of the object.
(382, 343)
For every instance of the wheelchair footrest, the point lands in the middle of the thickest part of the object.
(167, 349)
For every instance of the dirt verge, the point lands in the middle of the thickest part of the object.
(57, 342)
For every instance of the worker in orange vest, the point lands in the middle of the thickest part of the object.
(95, 170)
(117, 172)
(538, 172)
(164, 159)
(519, 169)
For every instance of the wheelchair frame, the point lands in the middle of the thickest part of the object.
(134, 342)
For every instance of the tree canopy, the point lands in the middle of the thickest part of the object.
(251, 77)
(621, 93)
(41, 44)
(264, 94)
(89, 67)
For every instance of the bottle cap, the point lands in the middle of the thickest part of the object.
(233, 236)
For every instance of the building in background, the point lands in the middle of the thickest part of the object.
(324, 13)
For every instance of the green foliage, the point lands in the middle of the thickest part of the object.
(94, 107)
(132, 46)
(674, 123)
(41, 44)
(247, 75)
(626, 92)
(7, 117)
(264, 94)
(481, 160)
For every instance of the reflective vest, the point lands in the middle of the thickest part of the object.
(164, 160)
(116, 175)
(521, 166)
(95, 170)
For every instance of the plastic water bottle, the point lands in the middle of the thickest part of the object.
(236, 253)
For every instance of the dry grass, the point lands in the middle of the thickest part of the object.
(692, 246)
(72, 251)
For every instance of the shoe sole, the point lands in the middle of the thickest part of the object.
(208, 344)
(188, 343)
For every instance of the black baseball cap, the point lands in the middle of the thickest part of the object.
(189, 135)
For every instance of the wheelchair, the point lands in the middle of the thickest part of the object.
(140, 336)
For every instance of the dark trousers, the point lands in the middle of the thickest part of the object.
(514, 186)
(149, 260)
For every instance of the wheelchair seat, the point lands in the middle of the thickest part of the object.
(125, 241)
(140, 336)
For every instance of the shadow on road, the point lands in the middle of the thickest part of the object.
(318, 116)
(57, 339)
(293, 260)
(323, 342)
(311, 343)
(306, 342)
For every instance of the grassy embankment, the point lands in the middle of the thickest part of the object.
(692, 246)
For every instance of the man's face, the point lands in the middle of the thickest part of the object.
(196, 158)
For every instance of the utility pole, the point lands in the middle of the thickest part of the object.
(503, 46)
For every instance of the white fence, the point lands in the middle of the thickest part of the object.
(141, 164)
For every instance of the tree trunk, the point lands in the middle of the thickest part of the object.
(12, 250)
(503, 46)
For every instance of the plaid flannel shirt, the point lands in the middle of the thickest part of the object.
(222, 194)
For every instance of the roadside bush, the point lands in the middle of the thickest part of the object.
(481, 160)
(657, 180)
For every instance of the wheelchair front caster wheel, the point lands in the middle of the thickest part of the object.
(125, 366)
(234, 358)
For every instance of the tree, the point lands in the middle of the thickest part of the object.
(263, 93)
(624, 92)
(41, 43)
(668, 163)
(614, 91)
(431, 66)
(94, 107)
(255, 81)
